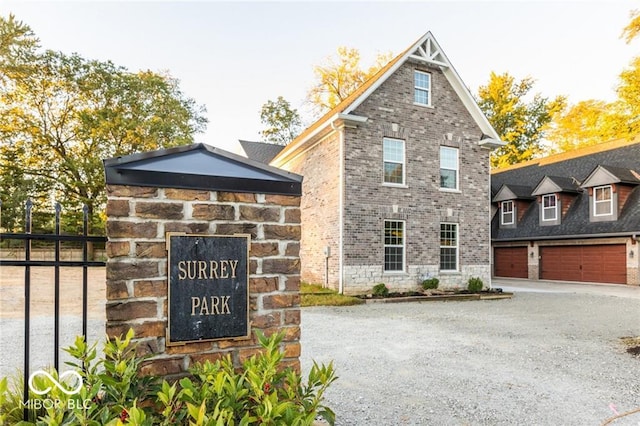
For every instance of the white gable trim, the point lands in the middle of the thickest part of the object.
(428, 50)
(335, 122)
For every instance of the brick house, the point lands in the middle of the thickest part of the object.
(397, 183)
(573, 216)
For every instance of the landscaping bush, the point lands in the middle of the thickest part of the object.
(262, 392)
(430, 283)
(380, 290)
(475, 284)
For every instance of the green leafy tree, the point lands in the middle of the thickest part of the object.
(282, 122)
(61, 115)
(521, 124)
(338, 77)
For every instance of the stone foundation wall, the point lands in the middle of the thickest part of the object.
(361, 279)
(138, 219)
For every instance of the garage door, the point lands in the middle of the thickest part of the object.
(510, 262)
(600, 263)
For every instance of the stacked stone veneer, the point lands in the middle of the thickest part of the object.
(137, 220)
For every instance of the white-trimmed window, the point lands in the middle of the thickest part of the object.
(549, 207)
(394, 242)
(422, 88)
(448, 246)
(506, 213)
(393, 158)
(448, 168)
(602, 201)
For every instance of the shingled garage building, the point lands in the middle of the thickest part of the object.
(574, 216)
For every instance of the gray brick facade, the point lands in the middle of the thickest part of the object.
(345, 202)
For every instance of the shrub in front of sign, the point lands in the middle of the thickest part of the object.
(262, 393)
(114, 393)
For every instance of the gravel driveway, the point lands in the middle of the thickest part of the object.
(541, 358)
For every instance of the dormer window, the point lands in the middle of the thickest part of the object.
(602, 201)
(507, 213)
(422, 88)
(549, 207)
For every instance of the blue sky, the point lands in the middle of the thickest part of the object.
(234, 56)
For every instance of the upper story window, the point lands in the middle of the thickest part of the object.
(393, 245)
(448, 246)
(549, 207)
(506, 213)
(602, 201)
(393, 158)
(422, 86)
(448, 168)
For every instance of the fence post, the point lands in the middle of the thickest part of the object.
(27, 302)
(56, 284)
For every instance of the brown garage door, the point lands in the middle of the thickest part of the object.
(510, 262)
(599, 263)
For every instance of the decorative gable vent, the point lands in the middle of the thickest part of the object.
(430, 53)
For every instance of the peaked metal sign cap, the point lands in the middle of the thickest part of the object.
(203, 167)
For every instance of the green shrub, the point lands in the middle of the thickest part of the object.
(475, 284)
(430, 283)
(114, 393)
(380, 290)
(263, 393)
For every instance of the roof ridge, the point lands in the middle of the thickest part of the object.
(568, 155)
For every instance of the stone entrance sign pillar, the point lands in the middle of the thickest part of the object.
(211, 197)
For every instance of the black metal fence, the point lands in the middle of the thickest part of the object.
(55, 239)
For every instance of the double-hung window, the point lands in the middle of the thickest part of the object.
(393, 158)
(549, 207)
(422, 88)
(394, 245)
(448, 246)
(602, 201)
(448, 168)
(506, 213)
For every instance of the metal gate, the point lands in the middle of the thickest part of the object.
(56, 238)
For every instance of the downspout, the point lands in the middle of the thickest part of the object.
(340, 206)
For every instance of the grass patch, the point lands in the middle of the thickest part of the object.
(315, 295)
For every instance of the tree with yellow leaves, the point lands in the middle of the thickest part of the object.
(591, 122)
(338, 77)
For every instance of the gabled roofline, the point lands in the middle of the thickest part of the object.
(299, 145)
(126, 170)
(450, 73)
(599, 169)
(512, 194)
(433, 55)
(536, 191)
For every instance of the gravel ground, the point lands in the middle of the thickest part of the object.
(541, 358)
(537, 359)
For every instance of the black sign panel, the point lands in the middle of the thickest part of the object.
(208, 287)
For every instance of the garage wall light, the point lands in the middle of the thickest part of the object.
(631, 254)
